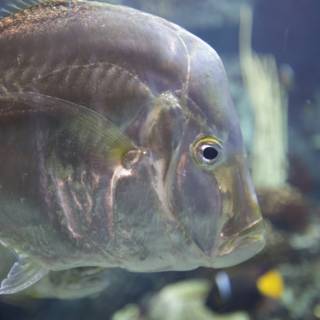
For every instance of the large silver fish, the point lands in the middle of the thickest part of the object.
(120, 146)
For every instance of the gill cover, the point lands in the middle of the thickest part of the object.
(162, 134)
(187, 193)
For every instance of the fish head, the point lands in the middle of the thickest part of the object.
(200, 170)
(214, 199)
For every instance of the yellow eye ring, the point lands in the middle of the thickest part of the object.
(207, 150)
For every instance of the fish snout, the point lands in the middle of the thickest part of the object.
(242, 232)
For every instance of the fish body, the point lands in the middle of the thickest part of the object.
(120, 146)
(244, 291)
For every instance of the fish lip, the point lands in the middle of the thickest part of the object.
(241, 246)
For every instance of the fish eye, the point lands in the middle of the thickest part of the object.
(207, 151)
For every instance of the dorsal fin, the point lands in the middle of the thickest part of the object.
(8, 7)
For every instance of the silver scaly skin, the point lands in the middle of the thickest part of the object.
(105, 112)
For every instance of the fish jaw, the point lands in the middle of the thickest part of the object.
(242, 232)
(241, 247)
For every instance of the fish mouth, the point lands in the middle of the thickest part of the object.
(241, 246)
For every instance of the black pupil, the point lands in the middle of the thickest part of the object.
(210, 153)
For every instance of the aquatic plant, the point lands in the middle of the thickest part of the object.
(270, 108)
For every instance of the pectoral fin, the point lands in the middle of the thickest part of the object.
(80, 127)
(73, 283)
(23, 274)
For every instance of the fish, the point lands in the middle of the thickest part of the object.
(120, 145)
(244, 291)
